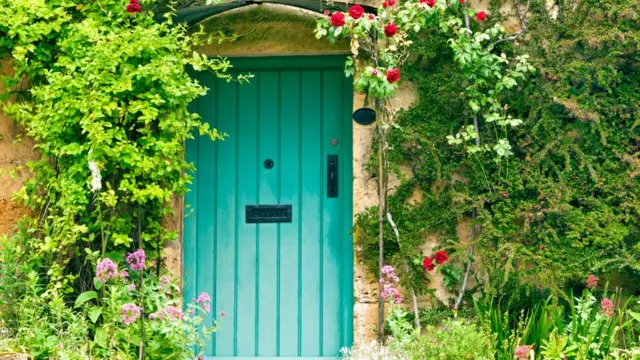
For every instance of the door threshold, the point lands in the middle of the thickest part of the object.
(270, 357)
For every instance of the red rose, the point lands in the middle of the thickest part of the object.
(390, 29)
(391, 2)
(427, 263)
(134, 7)
(393, 75)
(356, 11)
(385, 4)
(431, 3)
(481, 16)
(326, 12)
(337, 19)
(461, 1)
(371, 17)
(441, 256)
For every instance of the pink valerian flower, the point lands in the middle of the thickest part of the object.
(136, 260)
(175, 313)
(106, 269)
(131, 287)
(391, 293)
(129, 313)
(522, 352)
(124, 275)
(205, 300)
(592, 282)
(607, 307)
(164, 281)
(156, 316)
(390, 273)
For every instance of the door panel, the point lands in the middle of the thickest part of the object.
(286, 287)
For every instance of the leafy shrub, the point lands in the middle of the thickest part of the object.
(127, 307)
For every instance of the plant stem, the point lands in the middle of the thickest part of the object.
(414, 298)
(141, 288)
(381, 205)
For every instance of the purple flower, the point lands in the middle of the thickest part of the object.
(136, 260)
(205, 300)
(175, 313)
(124, 275)
(164, 281)
(156, 316)
(129, 313)
(131, 287)
(105, 270)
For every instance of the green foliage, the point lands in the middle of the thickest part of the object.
(108, 97)
(585, 329)
(565, 204)
(104, 94)
(453, 339)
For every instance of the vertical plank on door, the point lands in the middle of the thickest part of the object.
(246, 331)
(226, 188)
(268, 194)
(206, 209)
(332, 213)
(289, 303)
(189, 211)
(310, 205)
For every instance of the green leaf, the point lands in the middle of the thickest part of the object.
(634, 315)
(94, 313)
(134, 339)
(101, 337)
(84, 297)
(97, 283)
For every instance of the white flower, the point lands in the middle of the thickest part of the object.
(96, 178)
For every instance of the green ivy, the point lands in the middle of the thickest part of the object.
(566, 204)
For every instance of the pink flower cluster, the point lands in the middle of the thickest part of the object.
(592, 282)
(389, 291)
(136, 260)
(205, 300)
(522, 352)
(106, 269)
(607, 307)
(129, 313)
(175, 313)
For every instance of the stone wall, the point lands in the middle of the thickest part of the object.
(15, 151)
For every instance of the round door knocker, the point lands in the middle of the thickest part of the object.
(268, 164)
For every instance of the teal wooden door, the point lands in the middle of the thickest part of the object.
(286, 287)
